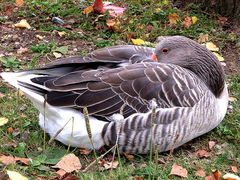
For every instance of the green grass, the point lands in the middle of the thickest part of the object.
(144, 19)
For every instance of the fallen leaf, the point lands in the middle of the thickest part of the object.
(138, 41)
(39, 37)
(173, 18)
(24, 161)
(230, 176)
(210, 177)
(113, 24)
(187, 22)
(85, 151)
(211, 144)
(7, 159)
(69, 163)
(194, 19)
(62, 49)
(8, 10)
(10, 130)
(178, 171)
(217, 174)
(3, 121)
(128, 156)
(57, 55)
(202, 153)
(219, 57)
(212, 47)
(88, 10)
(203, 38)
(22, 50)
(22, 24)
(200, 172)
(1, 95)
(13, 175)
(232, 99)
(110, 165)
(61, 173)
(19, 3)
(222, 20)
(61, 33)
(137, 178)
(234, 169)
(114, 11)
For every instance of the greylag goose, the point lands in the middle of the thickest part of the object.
(185, 87)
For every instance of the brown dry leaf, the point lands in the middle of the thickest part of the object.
(22, 24)
(128, 156)
(105, 165)
(8, 10)
(61, 173)
(178, 171)
(234, 169)
(24, 161)
(187, 22)
(61, 33)
(232, 99)
(88, 10)
(57, 55)
(210, 177)
(137, 178)
(222, 20)
(7, 159)
(203, 38)
(219, 57)
(201, 153)
(22, 50)
(113, 24)
(217, 174)
(39, 37)
(173, 18)
(230, 176)
(200, 172)
(211, 144)
(69, 163)
(10, 130)
(85, 151)
(19, 3)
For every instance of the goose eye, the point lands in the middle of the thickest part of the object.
(164, 50)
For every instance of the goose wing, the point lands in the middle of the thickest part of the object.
(105, 91)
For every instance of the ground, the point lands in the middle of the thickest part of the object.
(22, 137)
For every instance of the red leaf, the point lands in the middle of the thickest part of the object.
(201, 153)
(210, 177)
(85, 151)
(22, 160)
(8, 10)
(61, 173)
(217, 174)
(178, 171)
(128, 156)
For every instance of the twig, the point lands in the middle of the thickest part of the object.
(57, 133)
(71, 137)
(96, 160)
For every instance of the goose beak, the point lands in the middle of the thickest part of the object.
(154, 57)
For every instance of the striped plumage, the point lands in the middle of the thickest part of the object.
(186, 86)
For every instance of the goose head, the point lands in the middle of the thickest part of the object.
(189, 54)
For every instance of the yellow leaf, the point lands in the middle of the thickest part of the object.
(87, 10)
(194, 19)
(173, 18)
(19, 3)
(22, 24)
(57, 55)
(13, 175)
(219, 57)
(212, 47)
(3, 121)
(138, 41)
(61, 33)
(39, 37)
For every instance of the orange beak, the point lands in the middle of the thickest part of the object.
(154, 57)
